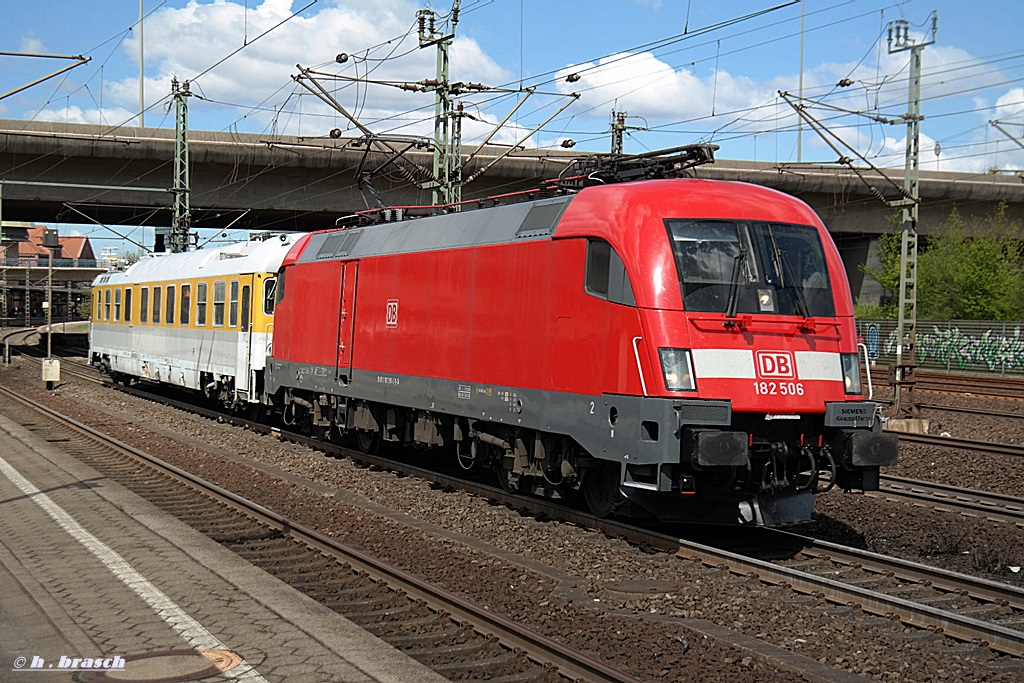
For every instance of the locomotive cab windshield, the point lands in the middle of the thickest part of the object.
(751, 267)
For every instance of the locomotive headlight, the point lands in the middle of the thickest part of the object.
(851, 373)
(677, 368)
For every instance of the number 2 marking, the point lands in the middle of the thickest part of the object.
(591, 407)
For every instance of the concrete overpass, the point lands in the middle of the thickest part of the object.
(302, 183)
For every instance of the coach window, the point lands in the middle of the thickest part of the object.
(186, 303)
(201, 303)
(127, 304)
(117, 305)
(219, 290)
(106, 305)
(606, 276)
(169, 318)
(270, 290)
(233, 305)
(144, 307)
(245, 308)
(157, 304)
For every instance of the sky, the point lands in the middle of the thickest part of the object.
(684, 71)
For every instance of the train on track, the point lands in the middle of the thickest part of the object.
(680, 348)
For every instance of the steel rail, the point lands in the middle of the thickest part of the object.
(971, 411)
(942, 579)
(961, 409)
(988, 447)
(538, 647)
(960, 627)
(949, 498)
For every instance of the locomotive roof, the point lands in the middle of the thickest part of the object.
(600, 215)
(494, 225)
(252, 256)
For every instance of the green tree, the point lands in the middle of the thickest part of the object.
(969, 269)
(888, 276)
(973, 269)
(84, 307)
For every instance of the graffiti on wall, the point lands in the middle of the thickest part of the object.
(996, 348)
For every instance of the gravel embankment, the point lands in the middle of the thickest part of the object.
(555, 577)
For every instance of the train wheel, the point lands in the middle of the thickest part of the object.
(367, 441)
(509, 481)
(601, 489)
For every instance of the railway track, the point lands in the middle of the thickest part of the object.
(972, 411)
(446, 632)
(972, 385)
(956, 605)
(972, 610)
(992, 506)
(987, 447)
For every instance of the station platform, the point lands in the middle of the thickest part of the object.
(97, 584)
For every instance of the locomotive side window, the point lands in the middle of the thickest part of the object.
(598, 255)
(99, 306)
(233, 305)
(201, 303)
(157, 304)
(269, 290)
(106, 305)
(219, 290)
(127, 304)
(117, 305)
(606, 276)
(169, 317)
(279, 290)
(751, 267)
(186, 303)
(144, 311)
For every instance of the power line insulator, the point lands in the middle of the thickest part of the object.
(341, 57)
(335, 133)
(568, 143)
(572, 78)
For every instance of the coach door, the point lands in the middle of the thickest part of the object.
(346, 320)
(240, 314)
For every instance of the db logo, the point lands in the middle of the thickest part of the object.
(391, 317)
(775, 364)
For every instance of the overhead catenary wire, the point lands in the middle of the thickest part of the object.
(563, 123)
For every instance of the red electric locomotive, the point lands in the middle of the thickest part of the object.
(681, 347)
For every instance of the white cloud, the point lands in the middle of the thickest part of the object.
(645, 86)
(75, 114)
(186, 42)
(1010, 106)
(31, 44)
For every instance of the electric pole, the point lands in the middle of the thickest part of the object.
(447, 185)
(906, 339)
(181, 218)
(619, 129)
(446, 179)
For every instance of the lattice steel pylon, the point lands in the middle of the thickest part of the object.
(181, 220)
(447, 184)
(906, 328)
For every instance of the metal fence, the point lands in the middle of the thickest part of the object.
(57, 263)
(955, 345)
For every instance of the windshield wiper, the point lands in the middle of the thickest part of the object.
(739, 264)
(781, 261)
